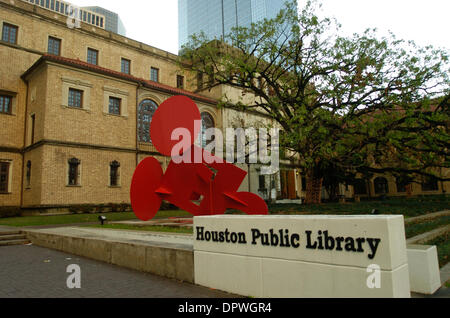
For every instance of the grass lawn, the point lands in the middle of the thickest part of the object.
(409, 207)
(420, 228)
(443, 247)
(79, 218)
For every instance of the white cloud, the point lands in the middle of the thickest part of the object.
(153, 22)
(425, 22)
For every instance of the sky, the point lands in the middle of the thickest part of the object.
(155, 22)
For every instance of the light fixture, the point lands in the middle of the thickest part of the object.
(102, 219)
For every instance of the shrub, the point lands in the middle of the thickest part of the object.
(75, 209)
(166, 206)
(82, 209)
(125, 207)
(114, 207)
(101, 208)
(9, 212)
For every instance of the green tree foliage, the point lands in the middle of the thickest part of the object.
(360, 104)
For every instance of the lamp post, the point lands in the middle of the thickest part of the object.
(102, 219)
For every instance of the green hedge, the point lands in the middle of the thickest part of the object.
(99, 208)
(10, 212)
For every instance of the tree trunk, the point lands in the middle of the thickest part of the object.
(409, 190)
(313, 189)
(333, 190)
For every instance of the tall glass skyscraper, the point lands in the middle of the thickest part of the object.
(113, 22)
(216, 18)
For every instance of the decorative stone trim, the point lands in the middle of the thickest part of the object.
(117, 93)
(78, 84)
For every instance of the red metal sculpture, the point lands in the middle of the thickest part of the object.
(214, 185)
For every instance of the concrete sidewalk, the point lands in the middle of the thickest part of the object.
(36, 272)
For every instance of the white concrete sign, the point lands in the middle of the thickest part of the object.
(423, 265)
(302, 256)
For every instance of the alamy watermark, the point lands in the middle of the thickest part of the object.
(74, 279)
(74, 17)
(374, 279)
(248, 145)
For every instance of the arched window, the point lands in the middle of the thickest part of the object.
(207, 123)
(381, 185)
(147, 109)
(360, 187)
(430, 184)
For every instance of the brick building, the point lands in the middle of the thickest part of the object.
(76, 105)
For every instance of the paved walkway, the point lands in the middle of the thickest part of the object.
(30, 271)
(35, 272)
(8, 229)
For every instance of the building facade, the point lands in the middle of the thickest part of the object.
(216, 18)
(76, 107)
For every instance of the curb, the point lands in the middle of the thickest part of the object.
(428, 236)
(426, 217)
(159, 259)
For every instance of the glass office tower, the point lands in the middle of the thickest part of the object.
(216, 18)
(113, 22)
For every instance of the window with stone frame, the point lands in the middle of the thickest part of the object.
(5, 104)
(114, 105)
(381, 185)
(4, 177)
(75, 98)
(54, 46)
(114, 176)
(154, 74)
(180, 81)
(9, 33)
(146, 110)
(28, 174)
(33, 128)
(92, 56)
(74, 172)
(126, 66)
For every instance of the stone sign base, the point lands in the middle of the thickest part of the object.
(424, 272)
(302, 256)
